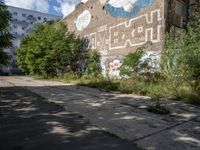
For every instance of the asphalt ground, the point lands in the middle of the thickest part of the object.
(30, 122)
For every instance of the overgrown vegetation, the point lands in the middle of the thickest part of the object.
(181, 64)
(50, 50)
(5, 35)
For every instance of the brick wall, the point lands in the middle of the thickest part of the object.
(116, 32)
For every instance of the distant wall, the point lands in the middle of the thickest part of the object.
(119, 27)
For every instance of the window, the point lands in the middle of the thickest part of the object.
(181, 9)
(23, 15)
(45, 19)
(39, 18)
(15, 27)
(15, 13)
(23, 28)
(15, 19)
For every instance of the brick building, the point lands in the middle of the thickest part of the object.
(118, 27)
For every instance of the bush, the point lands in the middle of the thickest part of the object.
(131, 62)
(93, 63)
(49, 50)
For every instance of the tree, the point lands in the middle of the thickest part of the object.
(5, 36)
(49, 50)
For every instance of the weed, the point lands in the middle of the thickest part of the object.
(158, 108)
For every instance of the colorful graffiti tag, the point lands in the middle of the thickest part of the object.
(126, 8)
(114, 68)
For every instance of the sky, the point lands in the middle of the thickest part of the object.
(55, 7)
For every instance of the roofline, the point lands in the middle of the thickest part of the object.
(35, 11)
(81, 3)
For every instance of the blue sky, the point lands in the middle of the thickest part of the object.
(56, 7)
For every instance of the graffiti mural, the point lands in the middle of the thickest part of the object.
(131, 32)
(83, 20)
(114, 68)
(153, 59)
(143, 21)
(126, 8)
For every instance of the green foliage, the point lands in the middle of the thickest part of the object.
(5, 36)
(93, 63)
(180, 64)
(100, 83)
(131, 63)
(158, 108)
(134, 85)
(49, 50)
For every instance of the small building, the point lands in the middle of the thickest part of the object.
(118, 27)
(23, 21)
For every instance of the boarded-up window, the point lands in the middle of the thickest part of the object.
(180, 13)
(181, 9)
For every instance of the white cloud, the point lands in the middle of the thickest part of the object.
(42, 5)
(38, 5)
(84, 1)
(126, 4)
(67, 6)
(56, 8)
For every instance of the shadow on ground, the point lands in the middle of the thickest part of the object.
(29, 122)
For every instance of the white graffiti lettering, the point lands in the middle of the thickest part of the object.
(135, 32)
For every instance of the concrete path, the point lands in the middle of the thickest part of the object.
(124, 115)
(30, 122)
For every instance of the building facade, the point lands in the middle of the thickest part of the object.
(118, 27)
(23, 21)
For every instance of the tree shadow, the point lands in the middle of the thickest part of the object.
(30, 122)
(120, 114)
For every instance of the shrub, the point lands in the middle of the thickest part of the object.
(180, 65)
(130, 65)
(93, 63)
(49, 50)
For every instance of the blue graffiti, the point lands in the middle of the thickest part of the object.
(134, 12)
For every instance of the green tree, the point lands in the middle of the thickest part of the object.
(49, 50)
(5, 36)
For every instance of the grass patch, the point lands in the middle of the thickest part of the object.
(158, 109)
(138, 85)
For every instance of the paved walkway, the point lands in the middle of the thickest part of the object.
(29, 122)
(124, 115)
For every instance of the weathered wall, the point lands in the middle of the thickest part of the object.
(119, 27)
